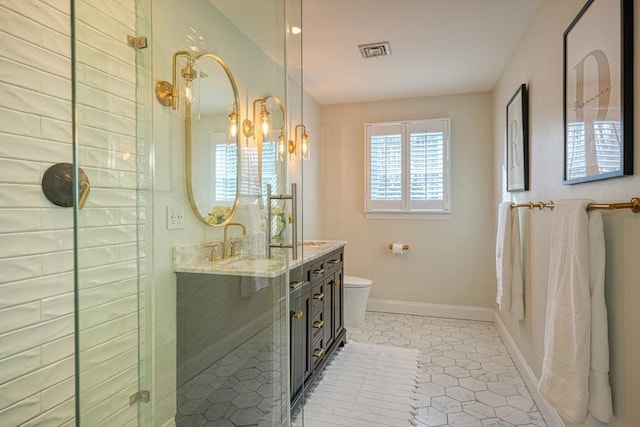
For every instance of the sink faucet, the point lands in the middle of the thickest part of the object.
(224, 243)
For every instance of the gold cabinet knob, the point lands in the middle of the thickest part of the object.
(318, 296)
(319, 352)
(318, 324)
(297, 314)
(336, 282)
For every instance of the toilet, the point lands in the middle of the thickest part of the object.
(356, 293)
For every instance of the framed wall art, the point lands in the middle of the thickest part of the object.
(517, 155)
(598, 92)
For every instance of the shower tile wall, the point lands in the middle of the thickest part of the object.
(36, 237)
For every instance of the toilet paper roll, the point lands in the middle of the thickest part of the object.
(396, 248)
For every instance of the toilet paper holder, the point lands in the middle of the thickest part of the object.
(404, 247)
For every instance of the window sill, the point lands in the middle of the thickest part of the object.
(419, 215)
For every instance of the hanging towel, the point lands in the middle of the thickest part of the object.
(575, 367)
(510, 292)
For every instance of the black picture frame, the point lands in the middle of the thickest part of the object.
(598, 92)
(517, 149)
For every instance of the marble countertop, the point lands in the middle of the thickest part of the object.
(254, 266)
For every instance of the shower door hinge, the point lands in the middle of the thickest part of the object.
(139, 396)
(137, 42)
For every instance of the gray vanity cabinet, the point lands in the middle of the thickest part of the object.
(320, 301)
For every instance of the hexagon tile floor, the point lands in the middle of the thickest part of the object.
(466, 377)
(241, 389)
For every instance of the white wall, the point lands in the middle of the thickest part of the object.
(537, 61)
(450, 261)
(36, 238)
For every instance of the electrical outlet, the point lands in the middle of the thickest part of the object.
(175, 218)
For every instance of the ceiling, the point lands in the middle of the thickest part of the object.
(437, 46)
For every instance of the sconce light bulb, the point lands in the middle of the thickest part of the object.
(264, 117)
(233, 120)
(305, 146)
(188, 91)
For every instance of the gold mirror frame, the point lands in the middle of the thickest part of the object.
(188, 145)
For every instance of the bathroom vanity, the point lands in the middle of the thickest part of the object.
(317, 319)
(231, 334)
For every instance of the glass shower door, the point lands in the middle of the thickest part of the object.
(111, 146)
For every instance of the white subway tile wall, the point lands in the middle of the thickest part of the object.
(37, 377)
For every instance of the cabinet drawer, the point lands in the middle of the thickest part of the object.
(317, 324)
(315, 271)
(318, 296)
(317, 351)
(333, 261)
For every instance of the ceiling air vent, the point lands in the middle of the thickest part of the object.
(371, 50)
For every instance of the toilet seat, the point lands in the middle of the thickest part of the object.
(356, 282)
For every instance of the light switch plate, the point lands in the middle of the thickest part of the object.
(175, 218)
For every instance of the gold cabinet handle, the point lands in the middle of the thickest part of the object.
(318, 296)
(295, 285)
(318, 324)
(319, 352)
(336, 282)
(334, 261)
(318, 271)
(297, 314)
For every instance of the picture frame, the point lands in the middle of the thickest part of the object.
(517, 149)
(598, 92)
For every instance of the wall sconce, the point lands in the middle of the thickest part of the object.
(167, 93)
(303, 142)
(248, 126)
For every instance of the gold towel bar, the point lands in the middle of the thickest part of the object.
(634, 205)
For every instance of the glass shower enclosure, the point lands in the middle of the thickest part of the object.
(181, 317)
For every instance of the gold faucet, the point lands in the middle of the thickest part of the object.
(224, 243)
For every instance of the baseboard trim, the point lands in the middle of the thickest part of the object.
(433, 310)
(549, 414)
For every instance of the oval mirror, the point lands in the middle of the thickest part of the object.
(211, 120)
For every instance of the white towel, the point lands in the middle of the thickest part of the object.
(575, 367)
(510, 292)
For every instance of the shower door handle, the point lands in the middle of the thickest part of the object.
(294, 214)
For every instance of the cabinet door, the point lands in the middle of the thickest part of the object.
(298, 337)
(307, 313)
(328, 310)
(338, 301)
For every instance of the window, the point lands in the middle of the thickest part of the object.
(407, 167)
(225, 165)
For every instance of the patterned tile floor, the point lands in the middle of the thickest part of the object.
(467, 377)
(241, 389)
